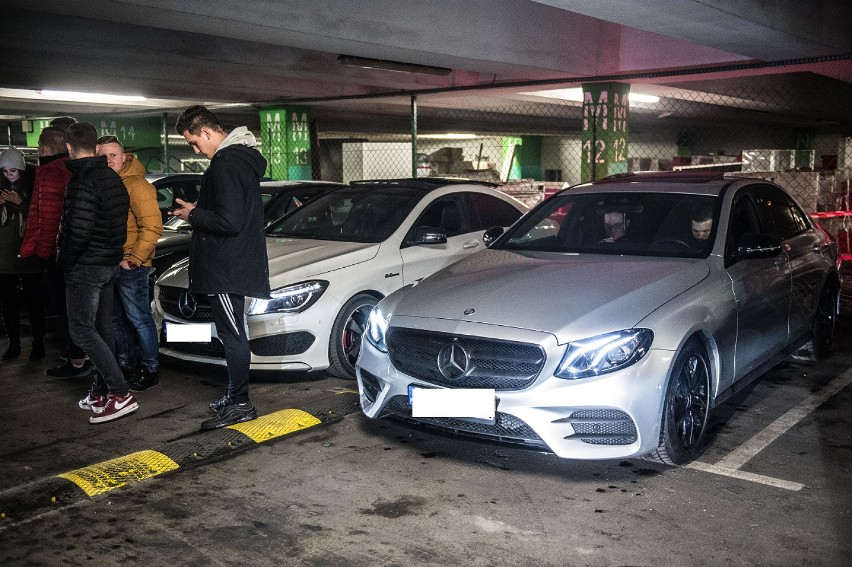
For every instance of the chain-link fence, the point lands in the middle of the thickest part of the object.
(781, 122)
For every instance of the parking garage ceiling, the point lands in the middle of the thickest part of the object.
(259, 52)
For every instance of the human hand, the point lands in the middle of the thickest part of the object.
(183, 210)
(7, 196)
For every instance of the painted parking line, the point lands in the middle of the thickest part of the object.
(22, 502)
(730, 465)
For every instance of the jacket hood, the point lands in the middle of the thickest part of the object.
(132, 167)
(570, 296)
(242, 143)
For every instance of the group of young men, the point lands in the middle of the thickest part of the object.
(106, 239)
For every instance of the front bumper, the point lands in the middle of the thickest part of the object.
(615, 415)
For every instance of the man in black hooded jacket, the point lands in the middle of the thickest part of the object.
(227, 254)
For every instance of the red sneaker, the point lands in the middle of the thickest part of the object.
(116, 407)
(94, 402)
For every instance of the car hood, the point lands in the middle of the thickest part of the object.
(297, 258)
(570, 296)
(173, 239)
(294, 259)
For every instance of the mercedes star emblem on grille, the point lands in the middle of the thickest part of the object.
(453, 361)
(187, 304)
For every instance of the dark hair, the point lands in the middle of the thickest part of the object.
(63, 122)
(82, 136)
(109, 140)
(702, 213)
(194, 118)
(53, 139)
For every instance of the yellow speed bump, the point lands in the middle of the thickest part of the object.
(129, 469)
(276, 424)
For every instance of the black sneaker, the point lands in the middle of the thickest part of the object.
(234, 413)
(147, 378)
(218, 405)
(68, 370)
(129, 373)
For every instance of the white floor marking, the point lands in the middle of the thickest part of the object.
(774, 430)
(742, 475)
(730, 465)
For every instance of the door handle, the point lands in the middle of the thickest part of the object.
(471, 244)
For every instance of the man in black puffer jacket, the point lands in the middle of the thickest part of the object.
(90, 248)
(227, 255)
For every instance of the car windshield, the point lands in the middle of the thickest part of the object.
(362, 214)
(177, 224)
(630, 223)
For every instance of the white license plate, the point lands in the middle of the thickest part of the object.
(188, 333)
(475, 403)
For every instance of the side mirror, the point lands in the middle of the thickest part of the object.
(752, 245)
(429, 235)
(492, 234)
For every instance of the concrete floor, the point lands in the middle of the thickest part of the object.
(772, 488)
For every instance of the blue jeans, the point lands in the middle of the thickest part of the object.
(133, 323)
(89, 294)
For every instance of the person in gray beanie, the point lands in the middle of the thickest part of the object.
(20, 278)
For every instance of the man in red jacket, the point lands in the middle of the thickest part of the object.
(45, 211)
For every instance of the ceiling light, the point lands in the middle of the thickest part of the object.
(69, 96)
(72, 96)
(576, 95)
(396, 66)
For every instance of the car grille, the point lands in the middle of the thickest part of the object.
(507, 428)
(487, 363)
(285, 344)
(602, 427)
(170, 303)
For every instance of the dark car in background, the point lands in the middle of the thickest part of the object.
(173, 186)
(279, 198)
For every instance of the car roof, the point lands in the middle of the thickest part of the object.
(282, 185)
(424, 184)
(153, 177)
(698, 183)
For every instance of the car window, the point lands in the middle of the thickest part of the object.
(363, 214)
(448, 212)
(644, 224)
(488, 211)
(168, 191)
(779, 212)
(744, 219)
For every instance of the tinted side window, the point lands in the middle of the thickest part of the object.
(744, 219)
(488, 211)
(777, 210)
(448, 213)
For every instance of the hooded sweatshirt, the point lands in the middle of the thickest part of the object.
(228, 248)
(144, 220)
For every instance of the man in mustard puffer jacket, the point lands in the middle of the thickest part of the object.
(132, 320)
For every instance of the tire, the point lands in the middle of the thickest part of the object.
(345, 342)
(823, 327)
(686, 408)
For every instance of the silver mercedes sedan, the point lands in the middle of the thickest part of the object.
(609, 321)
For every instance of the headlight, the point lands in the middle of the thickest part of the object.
(604, 353)
(377, 326)
(289, 299)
